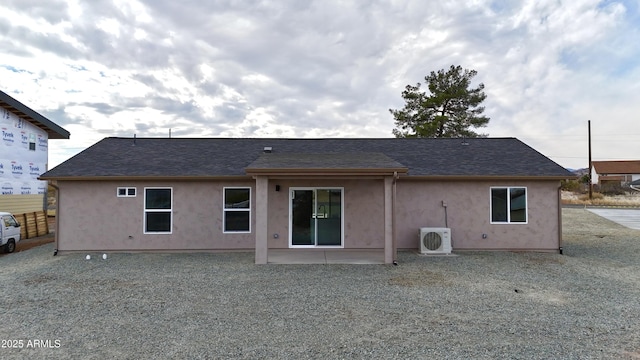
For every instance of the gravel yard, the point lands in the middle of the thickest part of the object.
(584, 304)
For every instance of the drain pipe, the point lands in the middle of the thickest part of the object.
(393, 218)
(57, 231)
(446, 217)
(560, 243)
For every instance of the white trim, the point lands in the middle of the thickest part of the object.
(224, 209)
(145, 210)
(126, 191)
(315, 188)
(508, 209)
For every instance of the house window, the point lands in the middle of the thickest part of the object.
(158, 210)
(508, 205)
(126, 192)
(237, 210)
(32, 142)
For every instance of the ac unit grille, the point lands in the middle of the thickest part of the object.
(432, 241)
(435, 240)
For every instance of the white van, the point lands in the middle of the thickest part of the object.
(9, 232)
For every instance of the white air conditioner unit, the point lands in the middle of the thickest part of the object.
(435, 241)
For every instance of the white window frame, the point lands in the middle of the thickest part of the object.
(145, 211)
(126, 191)
(225, 210)
(509, 222)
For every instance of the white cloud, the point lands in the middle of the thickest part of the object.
(321, 69)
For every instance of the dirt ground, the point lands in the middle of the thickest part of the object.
(481, 305)
(33, 242)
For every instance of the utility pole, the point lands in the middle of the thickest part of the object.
(590, 164)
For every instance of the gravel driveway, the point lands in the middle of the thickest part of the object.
(581, 305)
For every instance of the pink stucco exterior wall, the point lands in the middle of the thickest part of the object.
(92, 217)
(419, 204)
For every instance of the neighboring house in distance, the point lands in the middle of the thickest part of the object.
(615, 173)
(221, 194)
(24, 154)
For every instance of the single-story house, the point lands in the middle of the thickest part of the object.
(615, 173)
(258, 194)
(24, 154)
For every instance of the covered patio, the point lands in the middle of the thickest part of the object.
(337, 167)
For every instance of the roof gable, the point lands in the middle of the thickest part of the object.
(213, 157)
(53, 130)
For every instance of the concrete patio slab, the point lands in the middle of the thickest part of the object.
(355, 257)
(301, 256)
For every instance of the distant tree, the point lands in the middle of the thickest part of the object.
(450, 110)
(585, 179)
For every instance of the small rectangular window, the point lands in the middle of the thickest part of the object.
(508, 205)
(32, 142)
(237, 210)
(158, 210)
(126, 192)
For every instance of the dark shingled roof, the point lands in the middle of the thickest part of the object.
(617, 167)
(325, 161)
(53, 130)
(203, 157)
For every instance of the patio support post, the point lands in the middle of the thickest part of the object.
(388, 220)
(262, 185)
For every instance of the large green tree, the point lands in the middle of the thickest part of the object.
(450, 109)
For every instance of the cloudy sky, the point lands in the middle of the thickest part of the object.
(290, 68)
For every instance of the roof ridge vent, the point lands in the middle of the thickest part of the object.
(267, 149)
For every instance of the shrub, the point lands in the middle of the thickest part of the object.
(570, 185)
(585, 179)
(613, 189)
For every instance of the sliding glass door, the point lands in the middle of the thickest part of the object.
(302, 217)
(316, 217)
